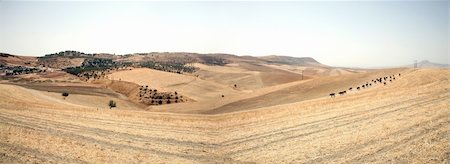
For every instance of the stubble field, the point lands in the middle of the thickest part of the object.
(405, 121)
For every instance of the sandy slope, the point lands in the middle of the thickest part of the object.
(403, 122)
(190, 86)
(50, 95)
(309, 89)
(317, 71)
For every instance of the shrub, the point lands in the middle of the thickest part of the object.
(65, 94)
(111, 104)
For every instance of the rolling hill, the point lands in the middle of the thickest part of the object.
(404, 121)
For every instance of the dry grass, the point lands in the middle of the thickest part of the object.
(190, 86)
(403, 122)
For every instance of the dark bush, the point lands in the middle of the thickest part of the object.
(111, 104)
(65, 94)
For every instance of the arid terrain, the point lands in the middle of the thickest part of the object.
(218, 108)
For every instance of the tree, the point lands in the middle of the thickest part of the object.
(111, 104)
(65, 94)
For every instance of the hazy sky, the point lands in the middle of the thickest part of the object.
(357, 34)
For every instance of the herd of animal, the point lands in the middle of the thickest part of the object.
(381, 80)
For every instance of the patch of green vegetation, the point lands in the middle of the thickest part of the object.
(169, 67)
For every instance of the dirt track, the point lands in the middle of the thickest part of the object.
(404, 122)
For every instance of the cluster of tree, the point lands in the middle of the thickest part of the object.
(169, 67)
(19, 70)
(92, 74)
(213, 60)
(98, 62)
(153, 97)
(95, 68)
(68, 54)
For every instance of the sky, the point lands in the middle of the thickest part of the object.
(336, 33)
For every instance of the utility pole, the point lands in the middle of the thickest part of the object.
(302, 74)
(415, 63)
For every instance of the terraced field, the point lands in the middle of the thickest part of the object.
(406, 121)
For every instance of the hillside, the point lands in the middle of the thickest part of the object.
(14, 60)
(404, 121)
(428, 64)
(190, 86)
(310, 89)
(287, 60)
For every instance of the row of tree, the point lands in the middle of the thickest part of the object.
(19, 70)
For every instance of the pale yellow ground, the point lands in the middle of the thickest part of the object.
(406, 121)
(190, 86)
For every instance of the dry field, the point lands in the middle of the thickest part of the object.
(406, 121)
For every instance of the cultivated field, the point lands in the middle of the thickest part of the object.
(404, 121)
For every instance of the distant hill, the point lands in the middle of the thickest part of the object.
(69, 58)
(298, 61)
(13, 60)
(428, 64)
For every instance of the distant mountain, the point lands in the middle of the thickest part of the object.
(65, 59)
(428, 64)
(299, 61)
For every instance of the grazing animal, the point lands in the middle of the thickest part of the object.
(370, 84)
(363, 86)
(394, 78)
(398, 74)
(375, 82)
(390, 80)
(332, 94)
(384, 83)
(342, 93)
(357, 88)
(350, 88)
